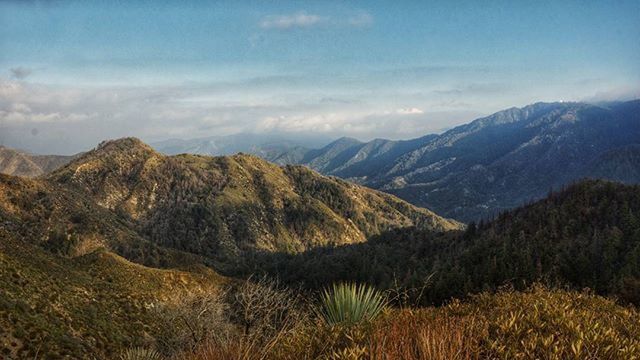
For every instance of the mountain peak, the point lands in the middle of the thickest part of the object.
(126, 143)
(345, 140)
(118, 153)
(110, 166)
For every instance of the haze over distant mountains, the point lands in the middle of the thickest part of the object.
(269, 146)
(491, 164)
(468, 173)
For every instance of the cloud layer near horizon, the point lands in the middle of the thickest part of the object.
(74, 73)
(56, 118)
(67, 119)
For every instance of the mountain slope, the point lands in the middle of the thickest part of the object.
(587, 235)
(69, 223)
(504, 160)
(65, 290)
(90, 306)
(18, 163)
(355, 160)
(227, 207)
(619, 164)
(495, 163)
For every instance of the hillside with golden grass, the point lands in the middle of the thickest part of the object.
(227, 207)
(91, 306)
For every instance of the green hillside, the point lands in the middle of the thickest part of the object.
(91, 252)
(226, 207)
(586, 236)
(91, 306)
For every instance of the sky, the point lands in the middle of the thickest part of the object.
(73, 73)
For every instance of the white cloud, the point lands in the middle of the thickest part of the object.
(613, 94)
(68, 119)
(290, 21)
(410, 111)
(20, 107)
(304, 20)
(362, 19)
(366, 124)
(18, 117)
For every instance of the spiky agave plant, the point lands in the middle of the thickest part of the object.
(350, 304)
(141, 354)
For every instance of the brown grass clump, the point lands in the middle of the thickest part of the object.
(410, 334)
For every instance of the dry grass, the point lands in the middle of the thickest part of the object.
(408, 334)
(238, 349)
(536, 324)
(452, 339)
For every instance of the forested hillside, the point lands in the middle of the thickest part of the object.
(585, 236)
(224, 208)
(74, 243)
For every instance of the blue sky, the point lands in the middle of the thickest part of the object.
(74, 73)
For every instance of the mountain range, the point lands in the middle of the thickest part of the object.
(277, 148)
(121, 229)
(90, 248)
(468, 173)
(477, 170)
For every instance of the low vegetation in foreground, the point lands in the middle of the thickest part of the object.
(262, 320)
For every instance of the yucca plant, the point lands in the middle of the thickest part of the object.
(141, 354)
(350, 304)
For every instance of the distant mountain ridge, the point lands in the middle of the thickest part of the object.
(19, 163)
(497, 162)
(279, 149)
(471, 172)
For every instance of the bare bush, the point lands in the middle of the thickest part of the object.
(259, 314)
(264, 308)
(194, 320)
